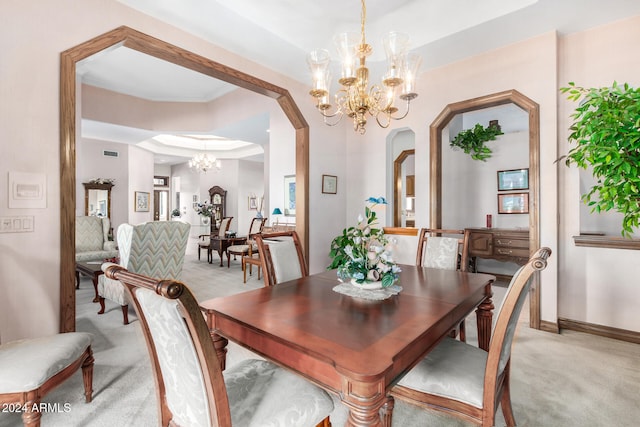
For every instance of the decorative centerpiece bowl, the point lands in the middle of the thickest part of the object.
(362, 254)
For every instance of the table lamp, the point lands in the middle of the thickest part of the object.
(276, 211)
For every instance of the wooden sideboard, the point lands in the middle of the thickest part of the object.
(501, 244)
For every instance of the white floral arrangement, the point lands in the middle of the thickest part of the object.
(205, 209)
(362, 253)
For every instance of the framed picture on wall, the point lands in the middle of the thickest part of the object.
(513, 203)
(141, 201)
(329, 184)
(513, 179)
(253, 203)
(290, 195)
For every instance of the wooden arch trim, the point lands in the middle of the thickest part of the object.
(435, 168)
(125, 36)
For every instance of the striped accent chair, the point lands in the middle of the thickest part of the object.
(92, 239)
(154, 249)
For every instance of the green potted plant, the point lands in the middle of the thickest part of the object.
(176, 213)
(606, 131)
(472, 141)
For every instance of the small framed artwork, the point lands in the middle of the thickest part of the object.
(141, 201)
(253, 203)
(329, 184)
(513, 203)
(290, 195)
(513, 179)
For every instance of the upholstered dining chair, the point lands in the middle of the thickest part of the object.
(282, 257)
(256, 226)
(211, 242)
(30, 368)
(190, 386)
(444, 249)
(440, 248)
(464, 380)
(155, 249)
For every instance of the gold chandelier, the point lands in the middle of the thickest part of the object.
(355, 98)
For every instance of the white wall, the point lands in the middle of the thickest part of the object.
(529, 67)
(597, 285)
(470, 189)
(91, 164)
(140, 173)
(29, 131)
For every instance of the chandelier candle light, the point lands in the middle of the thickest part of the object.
(355, 98)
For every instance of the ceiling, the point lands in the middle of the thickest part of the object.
(278, 34)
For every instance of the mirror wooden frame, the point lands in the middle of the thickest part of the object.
(435, 170)
(92, 186)
(125, 36)
(397, 186)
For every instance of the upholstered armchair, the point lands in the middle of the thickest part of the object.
(30, 368)
(92, 239)
(155, 249)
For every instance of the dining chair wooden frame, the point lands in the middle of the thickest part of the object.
(268, 270)
(496, 383)
(213, 384)
(425, 233)
(463, 248)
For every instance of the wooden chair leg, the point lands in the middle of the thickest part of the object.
(101, 301)
(244, 271)
(31, 418)
(463, 332)
(125, 314)
(87, 376)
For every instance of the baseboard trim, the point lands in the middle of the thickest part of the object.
(604, 331)
(547, 326)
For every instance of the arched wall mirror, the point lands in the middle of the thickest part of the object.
(97, 199)
(404, 189)
(442, 212)
(401, 194)
(124, 36)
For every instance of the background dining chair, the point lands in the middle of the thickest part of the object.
(30, 368)
(440, 248)
(155, 249)
(447, 250)
(212, 242)
(255, 227)
(464, 380)
(190, 386)
(282, 257)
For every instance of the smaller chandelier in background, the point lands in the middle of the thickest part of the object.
(355, 98)
(203, 163)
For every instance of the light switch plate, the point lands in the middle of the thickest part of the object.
(16, 224)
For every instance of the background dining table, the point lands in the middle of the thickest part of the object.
(353, 347)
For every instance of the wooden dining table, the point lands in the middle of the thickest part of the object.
(355, 348)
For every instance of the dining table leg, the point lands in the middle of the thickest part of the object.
(364, 400)
(484, 316)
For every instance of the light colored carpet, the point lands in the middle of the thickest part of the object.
(571, 379)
